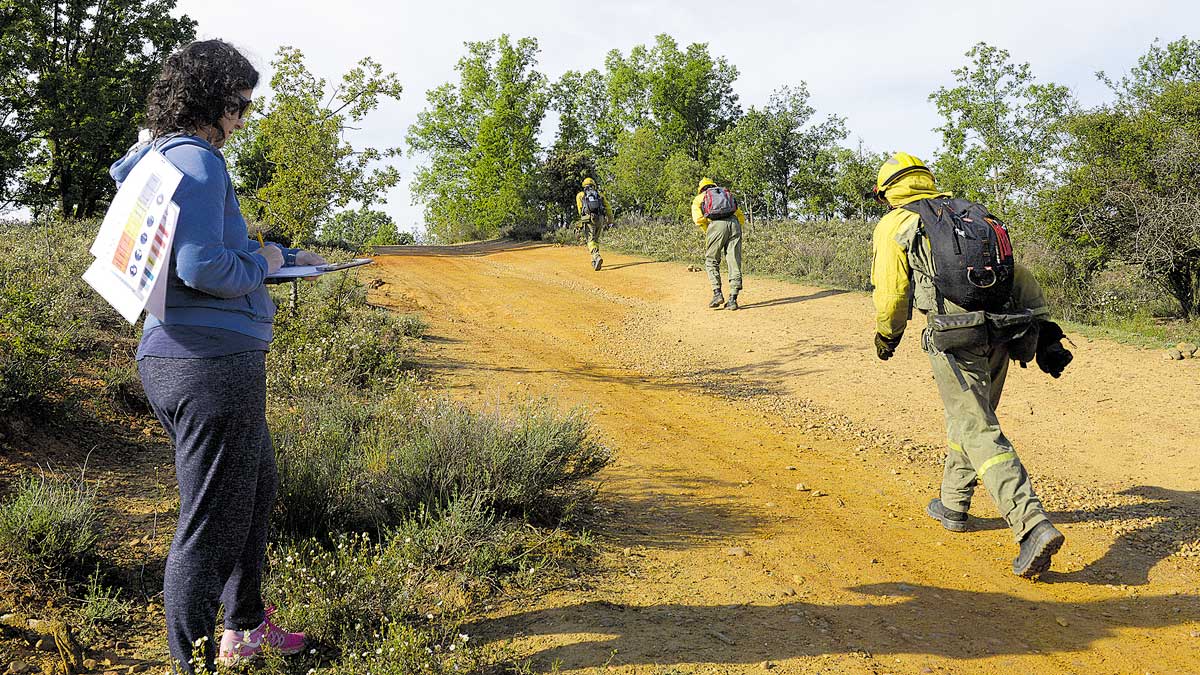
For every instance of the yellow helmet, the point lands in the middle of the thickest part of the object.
(704, 182)
(899, 165)
(588, 181)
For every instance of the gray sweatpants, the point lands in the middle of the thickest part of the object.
(214, 410)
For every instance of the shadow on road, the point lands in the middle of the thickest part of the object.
(669, 516)
(609, 268)
(896, 619)
(792, 300)
(1153, 525)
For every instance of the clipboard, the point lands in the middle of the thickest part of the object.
(300, 271)
(337, 267)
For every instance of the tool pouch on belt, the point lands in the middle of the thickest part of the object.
(948, 332)
(1019, 331)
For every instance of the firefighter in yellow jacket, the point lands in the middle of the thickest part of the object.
(969, 353)
(594, 214)
(723, 237)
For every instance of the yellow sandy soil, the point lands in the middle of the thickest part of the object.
(716, 562)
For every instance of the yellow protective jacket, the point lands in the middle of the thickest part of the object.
(579, 205)
(898, 251)
(698, 215)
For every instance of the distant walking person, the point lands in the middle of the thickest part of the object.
(715, 210)
(953, 260)
(594, 214)
(204, 366)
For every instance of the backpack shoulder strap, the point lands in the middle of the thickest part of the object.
(925, 210)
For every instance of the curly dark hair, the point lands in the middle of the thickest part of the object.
(197, 86)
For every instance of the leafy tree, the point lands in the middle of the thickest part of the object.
(1001, 133)
(691, 96)
(1158, 69)
(359, 227)
(581, 101)
(777, 161)
(75, 78)
(855, 175)
(293, 164)
(680, 175)
(636, 172)
(1129, 188)
(480, 137)
(628, 82)
(562, 175)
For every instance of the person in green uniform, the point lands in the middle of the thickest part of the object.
(969, 353)
(594, 214)
(723, 237)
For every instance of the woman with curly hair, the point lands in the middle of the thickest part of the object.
(204, 365)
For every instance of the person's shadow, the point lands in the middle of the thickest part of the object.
(895, 619)
(794, 299)
(1150, 530)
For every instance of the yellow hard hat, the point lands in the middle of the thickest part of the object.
(704, 182)
(588, 181)
(900, 164)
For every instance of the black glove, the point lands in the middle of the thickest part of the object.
(1052, 357)
(885, 347)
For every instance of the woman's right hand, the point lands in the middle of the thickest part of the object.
(274, 258)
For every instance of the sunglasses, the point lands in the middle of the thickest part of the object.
(244, 107)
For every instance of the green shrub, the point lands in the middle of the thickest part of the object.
(399, 604)
(352, 465)
(101, 607)
(563, 236)
(412, 325)
(51, 322)
(341, 593)
(335, 338)
(48, 527)
(122, 385)
(534, 464)
(35, 342)
(525, 231)
(331, 446)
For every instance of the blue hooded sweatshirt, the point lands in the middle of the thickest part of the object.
(215, 278)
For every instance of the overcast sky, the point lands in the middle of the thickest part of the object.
(874, 63)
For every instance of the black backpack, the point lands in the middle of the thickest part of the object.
(593, 203)
(972, 254)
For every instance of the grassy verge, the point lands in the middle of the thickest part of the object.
(399, 511)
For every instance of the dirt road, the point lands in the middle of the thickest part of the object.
(767, 502)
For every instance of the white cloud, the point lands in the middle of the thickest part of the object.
(873, 62)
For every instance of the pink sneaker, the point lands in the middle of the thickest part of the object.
(245, 645)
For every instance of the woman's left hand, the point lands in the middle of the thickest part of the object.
(309, 258)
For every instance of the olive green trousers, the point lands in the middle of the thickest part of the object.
(724, 238)
(978, 450)
(592, 227)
